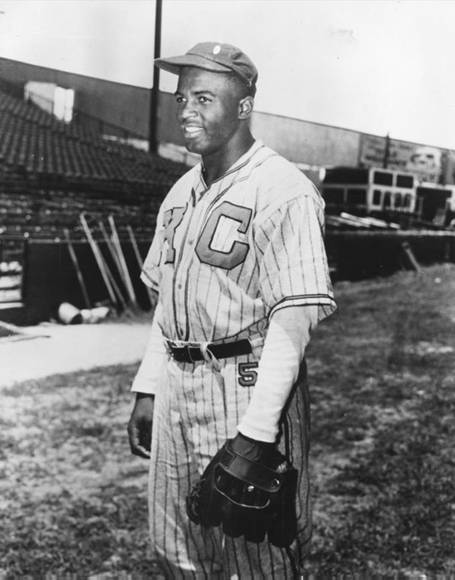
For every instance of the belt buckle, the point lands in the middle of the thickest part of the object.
(171, 346)
(193, 348)
(168, 345)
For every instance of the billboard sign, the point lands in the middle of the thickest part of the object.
(423, 161)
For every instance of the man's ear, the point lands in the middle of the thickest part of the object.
(246, 107)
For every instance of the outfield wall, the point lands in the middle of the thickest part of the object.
(50, 277)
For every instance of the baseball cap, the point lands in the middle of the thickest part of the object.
(215, 57)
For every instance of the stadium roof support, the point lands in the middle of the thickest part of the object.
(154, 92)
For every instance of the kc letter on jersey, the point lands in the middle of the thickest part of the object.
(218, 244)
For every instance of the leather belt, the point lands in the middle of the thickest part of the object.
(222, 350)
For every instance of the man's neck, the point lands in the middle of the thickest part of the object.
(217, 164)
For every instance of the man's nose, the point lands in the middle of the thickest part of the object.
(187, 111)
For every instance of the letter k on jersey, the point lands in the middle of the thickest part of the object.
(172, 219)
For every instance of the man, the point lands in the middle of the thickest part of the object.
(240, 271)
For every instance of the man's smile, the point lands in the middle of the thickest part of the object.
(191, 130)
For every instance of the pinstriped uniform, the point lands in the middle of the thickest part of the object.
(224, 259)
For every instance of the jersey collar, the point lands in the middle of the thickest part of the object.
(241, 162)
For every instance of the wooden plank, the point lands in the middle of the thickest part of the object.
(114, 255)
(102, 266)
(140, 262)
(122, 260)
(77, 268)
(405, 246)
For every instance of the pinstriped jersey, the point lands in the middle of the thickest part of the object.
(225, 257)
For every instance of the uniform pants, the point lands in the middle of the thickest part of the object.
(195, 411)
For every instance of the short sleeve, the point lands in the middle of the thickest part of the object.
(150, 274)
(293, 268)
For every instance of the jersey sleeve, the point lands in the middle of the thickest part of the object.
(293, 268)
(150, 274)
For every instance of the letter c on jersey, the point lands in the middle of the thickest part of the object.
(238, 250)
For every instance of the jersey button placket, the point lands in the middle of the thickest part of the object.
(181, 278)
(179, 290)
(189, 264)
(179, 282)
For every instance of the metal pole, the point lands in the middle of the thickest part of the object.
(154, 91)
(385, 161)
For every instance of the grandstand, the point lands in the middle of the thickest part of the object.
(51, 172)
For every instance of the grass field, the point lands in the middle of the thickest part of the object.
(382, 371)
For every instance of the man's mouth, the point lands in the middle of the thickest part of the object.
(191, 131)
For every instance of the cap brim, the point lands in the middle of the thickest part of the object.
(175, 63)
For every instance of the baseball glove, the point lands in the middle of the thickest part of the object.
(249, 488)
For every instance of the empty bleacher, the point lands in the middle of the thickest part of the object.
(36, 141)
(47, 212)
(51, 171)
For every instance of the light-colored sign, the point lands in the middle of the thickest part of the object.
(423, 161)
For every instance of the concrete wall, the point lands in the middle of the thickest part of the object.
(299, 141)
(120, 104)
(305, 142)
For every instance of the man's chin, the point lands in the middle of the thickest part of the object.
(194, 147)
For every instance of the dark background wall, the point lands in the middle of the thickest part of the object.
(50, 278)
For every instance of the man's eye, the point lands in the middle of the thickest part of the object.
(179, 100)
(203, 99)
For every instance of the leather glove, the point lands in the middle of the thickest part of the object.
(249, 488)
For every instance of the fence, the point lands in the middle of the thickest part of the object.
(359, 255)
(50, 278)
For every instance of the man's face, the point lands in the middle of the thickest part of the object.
(207, 109)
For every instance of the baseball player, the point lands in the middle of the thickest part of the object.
(240, 272)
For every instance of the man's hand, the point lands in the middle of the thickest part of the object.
(140, 425)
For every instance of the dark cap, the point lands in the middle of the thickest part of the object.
(215, 57)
